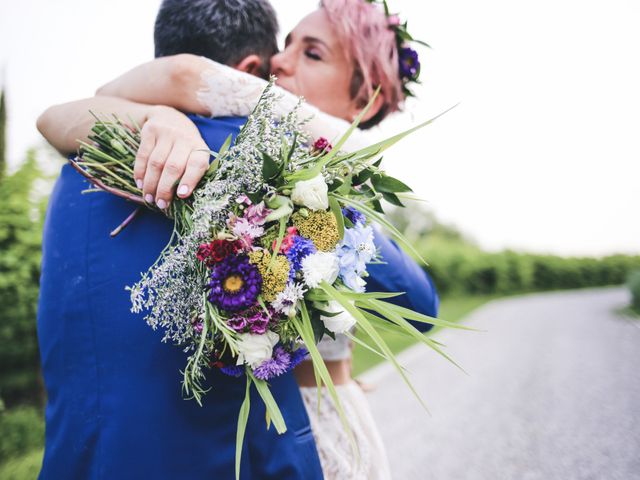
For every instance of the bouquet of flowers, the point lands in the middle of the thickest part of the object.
(268, 255)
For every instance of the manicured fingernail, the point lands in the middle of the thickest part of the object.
(162, 204)
(138, 183)
(148, 198)
(183, 190)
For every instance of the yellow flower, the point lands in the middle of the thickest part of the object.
(320, 227)
(274, 280)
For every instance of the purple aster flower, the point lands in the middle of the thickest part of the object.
(233, 370)
(354, 216)
(278, 364)
(300, 248)
(235, 283)
(409, 63)
(298, 356)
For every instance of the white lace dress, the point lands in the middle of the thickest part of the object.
(226, 91)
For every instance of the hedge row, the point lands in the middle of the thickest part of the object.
(468, 270)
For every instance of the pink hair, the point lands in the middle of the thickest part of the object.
(363, 29)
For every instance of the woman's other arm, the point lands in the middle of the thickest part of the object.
(65, 124)
(173, 81)
(171, 148)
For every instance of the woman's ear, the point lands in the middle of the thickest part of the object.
(373, 110)
(251, 64)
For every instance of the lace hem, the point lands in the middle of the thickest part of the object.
(338, 459)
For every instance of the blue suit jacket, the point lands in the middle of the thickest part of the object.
(400, 273)
(115, 408)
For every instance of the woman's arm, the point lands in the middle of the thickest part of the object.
(198, 85)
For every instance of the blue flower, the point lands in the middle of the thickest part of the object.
(354, 216)
(301, 248)
(354, 252)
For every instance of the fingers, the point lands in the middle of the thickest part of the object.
(147, 143)
(155, 165)
(196, 168)
(171, 173)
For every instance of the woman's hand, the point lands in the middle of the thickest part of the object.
(171, 153)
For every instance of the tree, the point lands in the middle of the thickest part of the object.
(20, 252)
(3, 127)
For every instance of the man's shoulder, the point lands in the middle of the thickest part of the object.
(215, 131)
(228, 122)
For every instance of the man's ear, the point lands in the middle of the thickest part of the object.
(251, 64)
(375, 108)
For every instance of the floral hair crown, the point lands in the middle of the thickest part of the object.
(409, 64)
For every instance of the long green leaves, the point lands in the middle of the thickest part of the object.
(270, 403)
(243, 418)
(366, 326)
(304, 328)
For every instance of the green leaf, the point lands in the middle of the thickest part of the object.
(337, 212)
(362, 177)
(270, 168)
(384, 183)
(243, 418)
(393, 199)
(379, 147)
(305, 330)
(381, 307)
(377, 206)
(366, 326)
(270, 403)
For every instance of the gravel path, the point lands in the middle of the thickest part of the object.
(553, 392)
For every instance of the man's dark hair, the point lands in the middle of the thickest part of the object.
(225, 31)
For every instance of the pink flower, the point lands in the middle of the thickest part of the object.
(256, 214)
(287, 241)
(322, 145)
(394, 20)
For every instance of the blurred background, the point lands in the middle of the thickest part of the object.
(529, 185)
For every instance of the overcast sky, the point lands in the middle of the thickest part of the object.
(542, 154)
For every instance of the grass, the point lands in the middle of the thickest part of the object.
(23, 467)
(452, 309)
(629, 312)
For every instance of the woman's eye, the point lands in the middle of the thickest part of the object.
(312, 54)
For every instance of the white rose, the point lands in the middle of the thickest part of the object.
(339, 323)
(255, 349)
(311, 193)
(320, 266)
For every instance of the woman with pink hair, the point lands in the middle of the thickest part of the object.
(335, 58)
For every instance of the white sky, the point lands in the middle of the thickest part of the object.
(542, 154)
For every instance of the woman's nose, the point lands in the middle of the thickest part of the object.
(281, 64)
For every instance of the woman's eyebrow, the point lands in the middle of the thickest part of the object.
(287, 40)
(310, 39)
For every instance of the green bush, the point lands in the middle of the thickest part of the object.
(633, 282)
(24, 467)
(21, 216)
(22, 431)
(464, 269)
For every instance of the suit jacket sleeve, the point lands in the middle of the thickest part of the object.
(400, 273)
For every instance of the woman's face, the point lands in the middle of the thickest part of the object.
(314, 65)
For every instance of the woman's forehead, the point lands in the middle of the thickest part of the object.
(315, 27)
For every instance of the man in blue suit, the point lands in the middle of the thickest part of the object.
(114, 407)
